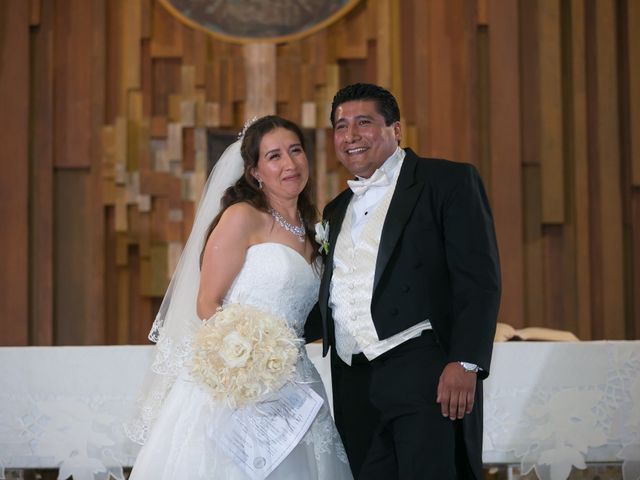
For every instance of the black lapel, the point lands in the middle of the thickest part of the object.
(335, 218)
(402, 203)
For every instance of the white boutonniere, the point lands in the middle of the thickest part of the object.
(322, 236)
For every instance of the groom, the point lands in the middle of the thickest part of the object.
(409, 299)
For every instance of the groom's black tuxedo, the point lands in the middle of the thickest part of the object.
(437, 260)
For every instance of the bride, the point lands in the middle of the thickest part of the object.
(251, 244)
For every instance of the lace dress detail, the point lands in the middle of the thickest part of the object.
(277, 279)
(167, 363)
(274, 278)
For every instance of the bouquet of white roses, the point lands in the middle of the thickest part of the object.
(242, 354)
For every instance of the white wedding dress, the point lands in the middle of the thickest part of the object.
(181, 444)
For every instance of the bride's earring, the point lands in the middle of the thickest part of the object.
(259, 183)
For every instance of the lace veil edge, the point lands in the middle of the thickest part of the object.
(177, 319)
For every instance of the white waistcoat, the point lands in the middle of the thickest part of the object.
(352, 281)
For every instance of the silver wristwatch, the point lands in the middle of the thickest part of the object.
(469, 367)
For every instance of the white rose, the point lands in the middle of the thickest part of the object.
(275, 364)
(235, 350)
(250, 391)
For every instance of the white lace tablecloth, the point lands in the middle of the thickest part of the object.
(551, 406)
(548, 407)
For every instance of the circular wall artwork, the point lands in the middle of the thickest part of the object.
(244, 21)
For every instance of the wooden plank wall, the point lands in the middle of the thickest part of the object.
(106, 106)
(14, 179)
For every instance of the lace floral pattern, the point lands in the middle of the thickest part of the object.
(324, 438)
(168, 360)
(63, 407)
(77, 433)
(580, 407)
(277, 279)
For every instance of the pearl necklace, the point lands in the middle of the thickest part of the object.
(299, 232)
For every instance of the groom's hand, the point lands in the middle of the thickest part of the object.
(456, 391)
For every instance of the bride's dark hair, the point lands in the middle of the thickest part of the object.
(246, 189)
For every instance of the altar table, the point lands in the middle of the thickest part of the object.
(548, 407)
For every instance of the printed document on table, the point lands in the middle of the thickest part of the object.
(258, 438)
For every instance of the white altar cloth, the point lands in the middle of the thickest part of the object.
(548, 406)
(551, 406)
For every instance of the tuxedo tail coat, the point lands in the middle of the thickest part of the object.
(437, 261)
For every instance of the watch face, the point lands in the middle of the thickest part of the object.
(468, 367)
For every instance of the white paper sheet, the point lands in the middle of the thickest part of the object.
(258, 438)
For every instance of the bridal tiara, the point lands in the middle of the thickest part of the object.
(246, 126)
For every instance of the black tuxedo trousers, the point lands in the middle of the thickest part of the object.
(390, 423)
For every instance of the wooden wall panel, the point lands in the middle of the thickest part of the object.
(465, 70)
(541, 95)
(352, 32)
(420, 85)
(110, 278)
(577, 153)
(195, 52)
(35, 11)
(483, 12)
(260, 67)
(165, 82)
(484, 84)
(94, 318)
(444, 73)
(72, 83)
(77, 220)
(483, 126)
(71, 250)
(123, 303)
(505, 189)
(635, 265)
(569, 260)
(409, 63)
(551, 139)
(554, 276)
(14, 181)
(131, 12)
(115, 100)
(633, 53)
(384, 42)
(440, 82)
(41, 162)
(146, 69)
(631, 14)
(529, 82)
(534, 287)
(166, 33)
(606, 169)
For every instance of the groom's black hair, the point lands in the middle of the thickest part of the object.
(386, 103)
